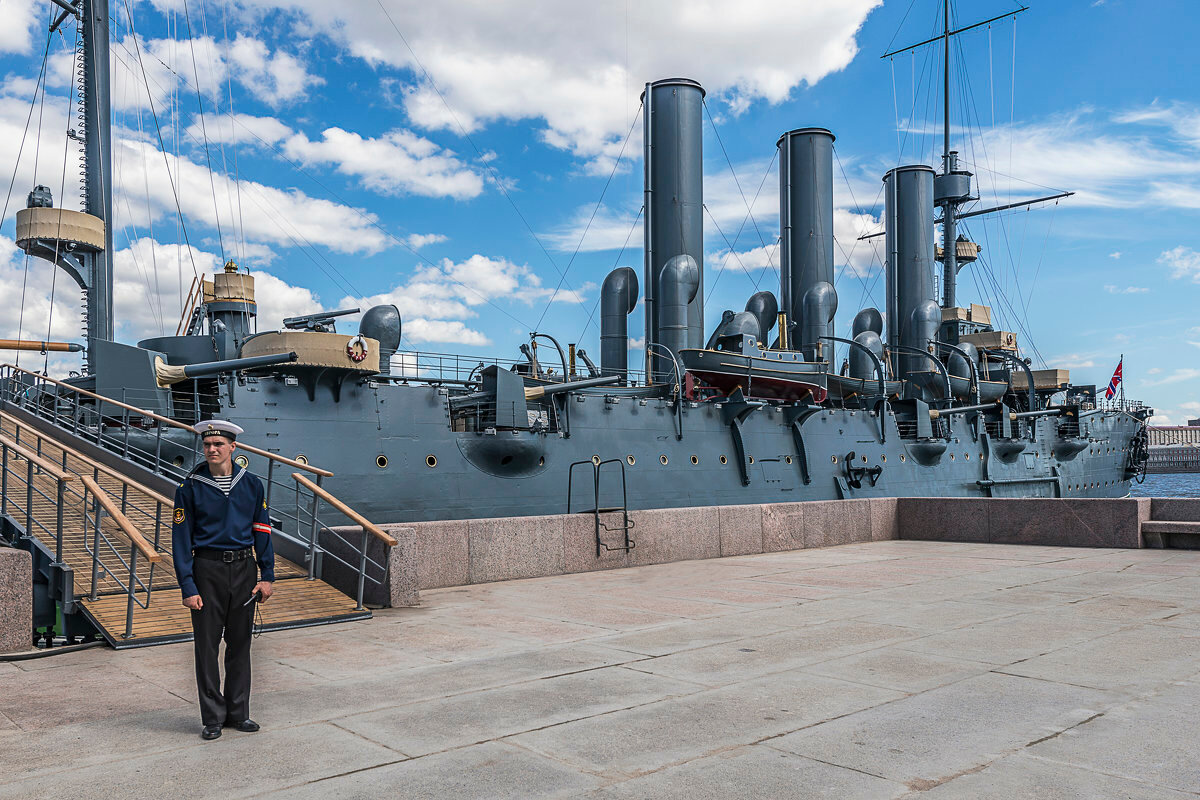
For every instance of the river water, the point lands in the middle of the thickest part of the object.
(1183, 484)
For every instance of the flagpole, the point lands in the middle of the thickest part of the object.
(1122, 365)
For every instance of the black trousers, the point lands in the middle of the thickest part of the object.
(223, 588)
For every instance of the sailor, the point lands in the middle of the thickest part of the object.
(223, 556)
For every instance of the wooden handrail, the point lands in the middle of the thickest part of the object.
(47, 466)
(112, 473)
(122, 521)
(367, 525)
(173, 423)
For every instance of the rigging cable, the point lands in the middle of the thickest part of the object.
(770, 256)
(166, 160)
(591, 219)
(616, 262)
(204, 128)
(39, 90)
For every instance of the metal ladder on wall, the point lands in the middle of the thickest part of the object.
(626, 524)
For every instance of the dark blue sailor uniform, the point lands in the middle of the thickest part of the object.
(221, 547)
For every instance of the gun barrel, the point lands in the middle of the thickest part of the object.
(39, 346)
(1045, 412)
(168, 375)
(534, 392)
(934, 413)
(291, 321)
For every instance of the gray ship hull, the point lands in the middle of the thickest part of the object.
(396, 457)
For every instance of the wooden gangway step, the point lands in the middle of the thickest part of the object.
(299, 601)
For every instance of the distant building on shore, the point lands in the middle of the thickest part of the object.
(1174, 448)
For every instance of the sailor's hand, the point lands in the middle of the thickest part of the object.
(264, 589)
(194, 602)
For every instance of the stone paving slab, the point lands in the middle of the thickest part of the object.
(876, 669)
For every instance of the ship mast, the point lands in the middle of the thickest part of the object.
(81, 242)
(952, 188)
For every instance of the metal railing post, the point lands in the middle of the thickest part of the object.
(362, 570)
(4, 482)
(158, 428)
(312, 539)
(270, 479)
(95, 540)
(58, 533)
(29, 498)
(133, 552)
(125, 422)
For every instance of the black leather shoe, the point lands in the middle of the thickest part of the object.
(245, 726)
(211, 732)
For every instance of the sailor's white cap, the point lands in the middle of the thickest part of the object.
(218, 427)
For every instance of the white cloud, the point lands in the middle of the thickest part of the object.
(239, 129)
(418, 240)
(1177, 376)
(18, 19)
(1113, 289)
(1154, 370)
(1183, 261)
(399, 162)
(1072, 361)
(1115, 254)
(436, 299)
(515, 61)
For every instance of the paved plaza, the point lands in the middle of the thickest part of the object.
(875, 670)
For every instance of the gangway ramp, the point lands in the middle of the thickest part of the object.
(121, 576)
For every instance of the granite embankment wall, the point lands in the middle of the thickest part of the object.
(16, 600)
(455, 553)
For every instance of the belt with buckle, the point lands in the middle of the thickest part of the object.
(227, 556)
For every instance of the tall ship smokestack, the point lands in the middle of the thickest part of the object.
(806, 236)
(674, 175)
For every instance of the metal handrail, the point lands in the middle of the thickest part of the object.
(127, 527)
(369, 529)
(170, 422)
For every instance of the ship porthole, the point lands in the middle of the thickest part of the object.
(1052, 454)
(833, 459)
(630, 460)
(381, 461)
(542, 461)
(596, 460)
(787, 459)
(662, 460)
(864, 458)
(177, 461)
(981, 456)
(883, 459)
(966, 456)
(952, 456)
(750, 459)
(903, 458)
(301, 459)
(724, 460)
(695, 460)
(242, 461)
(431, 461)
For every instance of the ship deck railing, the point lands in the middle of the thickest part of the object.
(48, 465)
(455, 369)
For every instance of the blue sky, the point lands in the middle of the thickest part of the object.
(449, 156)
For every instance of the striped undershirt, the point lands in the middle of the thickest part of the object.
(224, 483)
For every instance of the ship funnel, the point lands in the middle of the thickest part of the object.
(674, 201)
(618, 297)
(913, 316)
(806, 233)
(679, 284)
(382, 323)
